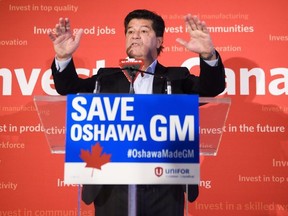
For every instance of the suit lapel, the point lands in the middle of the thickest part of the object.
(159, 83)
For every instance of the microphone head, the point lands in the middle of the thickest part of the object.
(130, 67)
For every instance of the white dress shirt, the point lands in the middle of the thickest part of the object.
(144, 85)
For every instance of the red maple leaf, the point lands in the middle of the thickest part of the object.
(95, 158)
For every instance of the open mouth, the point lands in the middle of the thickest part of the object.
(134, 44)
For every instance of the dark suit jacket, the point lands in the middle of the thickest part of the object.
(210, 82)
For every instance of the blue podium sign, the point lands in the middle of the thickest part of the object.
(132, 139)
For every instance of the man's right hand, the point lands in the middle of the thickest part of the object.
(65, 43)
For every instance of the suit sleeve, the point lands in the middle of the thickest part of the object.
(193, 192)
(90, 192)
(211, 79)
(209, 83)
(68, 81)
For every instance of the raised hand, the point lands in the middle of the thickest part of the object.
(65, 43)
(200, 41)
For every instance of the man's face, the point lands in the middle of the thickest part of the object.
(141, 40)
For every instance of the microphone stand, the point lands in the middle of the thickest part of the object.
(132, 188)
(131, 90)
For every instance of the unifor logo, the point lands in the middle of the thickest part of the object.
(158, 171)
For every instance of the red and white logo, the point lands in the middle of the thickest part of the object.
(158, 171)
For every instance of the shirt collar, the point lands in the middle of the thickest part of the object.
(152, 67)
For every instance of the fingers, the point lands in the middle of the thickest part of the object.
(204, 27)
(51, 35)
(182, 42)
(67, 22)
(193, 23)
(63, 26)
(78, 35)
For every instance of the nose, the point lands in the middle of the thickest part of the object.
(136, 34)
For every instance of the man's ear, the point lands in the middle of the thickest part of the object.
(159, 42)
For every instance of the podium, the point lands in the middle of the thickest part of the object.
(213, 113)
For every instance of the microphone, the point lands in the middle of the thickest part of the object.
(131, 67)
(168, 87)
(97, 87)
